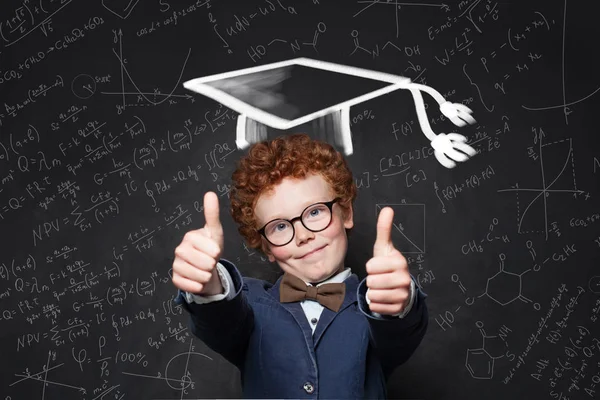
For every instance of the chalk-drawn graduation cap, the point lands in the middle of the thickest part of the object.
(287, 94)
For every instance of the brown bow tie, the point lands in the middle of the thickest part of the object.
(330, 295)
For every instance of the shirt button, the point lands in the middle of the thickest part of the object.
(308, 387)
(314, 320)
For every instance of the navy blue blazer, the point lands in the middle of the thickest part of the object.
(351, 354)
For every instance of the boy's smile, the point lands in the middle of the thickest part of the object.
(313, 252)
(311, 256)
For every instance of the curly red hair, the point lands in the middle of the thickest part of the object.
(269, 162)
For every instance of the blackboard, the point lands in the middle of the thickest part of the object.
(105, 158)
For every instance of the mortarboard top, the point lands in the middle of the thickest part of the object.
(286, 94)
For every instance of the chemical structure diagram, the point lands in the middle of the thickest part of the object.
(480, 361)
(408, 51)
(503, 287)
(259, 51)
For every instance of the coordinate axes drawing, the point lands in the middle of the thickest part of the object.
(156, 97)
(547, 186)
(565, 104)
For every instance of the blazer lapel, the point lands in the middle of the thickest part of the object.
(327, 316)
(293, 308)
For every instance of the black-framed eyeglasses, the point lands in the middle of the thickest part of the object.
(315, 218)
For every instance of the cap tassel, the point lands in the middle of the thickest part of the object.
(458, 113)
(446, 146)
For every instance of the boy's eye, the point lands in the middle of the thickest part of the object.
(318, 210)
(278, 227)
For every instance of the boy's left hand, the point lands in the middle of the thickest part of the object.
(388, 276)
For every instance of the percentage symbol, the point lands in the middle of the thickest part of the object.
(140, 358)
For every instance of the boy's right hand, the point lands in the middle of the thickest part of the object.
(194, 267)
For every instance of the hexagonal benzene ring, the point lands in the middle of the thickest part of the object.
(479, 364)
(500, 286)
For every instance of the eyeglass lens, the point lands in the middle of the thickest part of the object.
(314, 218)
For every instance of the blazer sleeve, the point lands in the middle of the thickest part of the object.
(224, 326)
(395, 339)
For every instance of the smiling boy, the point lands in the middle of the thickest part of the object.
(317, 332)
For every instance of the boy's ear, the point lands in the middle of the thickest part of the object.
(349, 220)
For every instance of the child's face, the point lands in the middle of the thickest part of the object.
(287, 201)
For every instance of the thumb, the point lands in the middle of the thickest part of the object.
(383, 242)
(211, 215)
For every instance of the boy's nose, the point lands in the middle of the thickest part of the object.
(302, 234)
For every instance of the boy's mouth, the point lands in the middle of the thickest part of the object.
(316, 251)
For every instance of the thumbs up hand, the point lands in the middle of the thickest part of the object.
(388, 277)
(196, 257)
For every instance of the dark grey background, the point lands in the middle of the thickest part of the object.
(104, 164)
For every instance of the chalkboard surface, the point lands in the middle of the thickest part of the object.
(105, 158)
